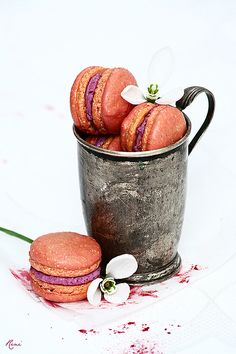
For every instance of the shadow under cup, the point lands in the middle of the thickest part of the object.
(133, 202)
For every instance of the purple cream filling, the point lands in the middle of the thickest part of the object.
(52, 279)
(140, 131)
(89, 93)
(100, 141)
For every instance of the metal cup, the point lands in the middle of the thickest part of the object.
(133, 202)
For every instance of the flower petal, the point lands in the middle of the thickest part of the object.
(171, 97)
(133, 94)
(120, 296)
(122, 266)
(161, 66)
(94, 294)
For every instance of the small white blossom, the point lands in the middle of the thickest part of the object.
(159, 71)
(134, 95)
(120, 267)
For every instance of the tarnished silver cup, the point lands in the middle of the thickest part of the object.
(133, 202)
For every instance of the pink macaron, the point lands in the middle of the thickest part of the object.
(151, 126)
(111, 142)
(63, 264)
(95, 100)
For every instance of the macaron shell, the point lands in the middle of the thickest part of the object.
(131, 123)
(149, 125)
(59, 293)
(92, 140)
(110, 143)
(65, 254)
(107, 142)
(74, 98)
(77, 99)
(168, 127)
(114, 107)
(97, 102)
(115, 144)
(64, 272)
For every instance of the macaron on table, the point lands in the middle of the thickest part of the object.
(63, 265)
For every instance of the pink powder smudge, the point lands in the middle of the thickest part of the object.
(138, 291)
(48, 107)
(121, 329)
(51, 303)
(140, 347)
(88, 331)
(145, 328)
(184, 277)
(19, 114)
(3, 161)
(23, 276)
(168, 331)
(135, 297)
(127, 326)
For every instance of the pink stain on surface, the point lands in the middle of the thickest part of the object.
(184, 277)
(138, 291)
(19, 114)
(49, 107)
(3, 161)
(121, 329)
(23, 276)
(141, 347)
(145, 328)
(87, 331)
(51, 303)
(173, 327)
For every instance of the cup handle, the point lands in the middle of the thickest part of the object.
(190, 93)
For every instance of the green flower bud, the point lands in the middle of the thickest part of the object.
(152, 93)
(108, 285)
(153, 89)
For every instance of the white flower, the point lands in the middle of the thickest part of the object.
(159, 71)
(120, 267)
(134, 95)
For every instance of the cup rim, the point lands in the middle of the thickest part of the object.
(134, 154)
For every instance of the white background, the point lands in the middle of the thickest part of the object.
(43, 46)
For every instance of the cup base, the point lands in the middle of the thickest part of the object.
(157, 276)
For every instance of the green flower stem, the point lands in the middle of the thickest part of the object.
(151, 99)
(15, 234)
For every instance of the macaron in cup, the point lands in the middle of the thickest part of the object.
(111, 142)
(95, 99)
(152, 126)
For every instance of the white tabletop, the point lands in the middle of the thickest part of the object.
(43, 47)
